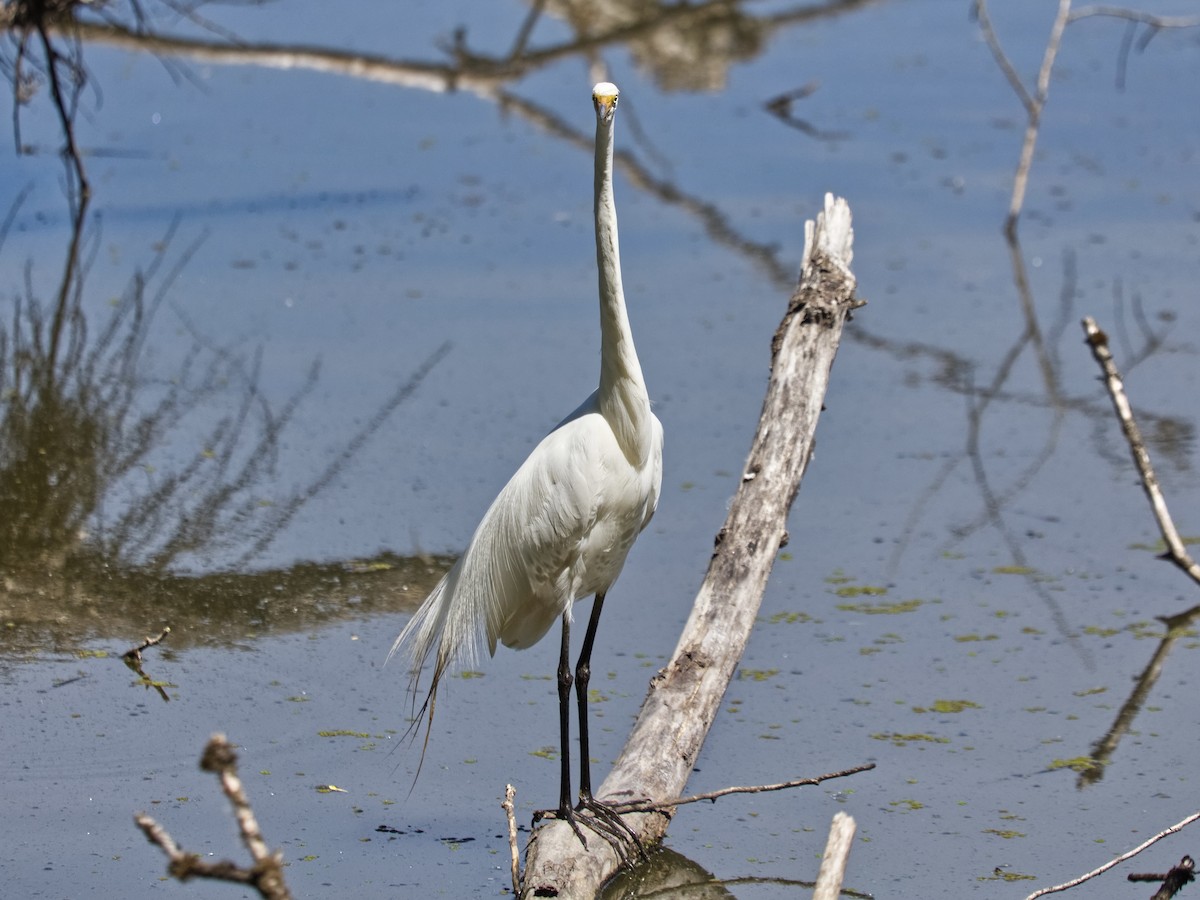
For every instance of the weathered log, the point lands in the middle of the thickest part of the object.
(837, 854)
(684, 696)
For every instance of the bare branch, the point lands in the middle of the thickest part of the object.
(837, 853)
(685, 695)
(1178, 826)
(188, 865)
(136, 652)
(133, 659)
(713, 796)
(510, 792)
(266, 875)
(1176, 551)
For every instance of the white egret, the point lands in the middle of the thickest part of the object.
(561, 528)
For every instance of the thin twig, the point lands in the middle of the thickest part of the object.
(647, 806)
(1176, 551)
(188, 865)
(1178, 826)
(133, 659)
(136, 652)
(509, 793)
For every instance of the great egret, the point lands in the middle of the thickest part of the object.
(561, 528)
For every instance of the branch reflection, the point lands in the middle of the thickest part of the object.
(92, 532)
(1177, 626)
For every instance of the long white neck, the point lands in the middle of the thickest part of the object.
(623, 399)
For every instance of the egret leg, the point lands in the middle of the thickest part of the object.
(565, 809)
(583, 674)
(613, 825)
(604, 821)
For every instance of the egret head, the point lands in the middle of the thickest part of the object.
(604, 97)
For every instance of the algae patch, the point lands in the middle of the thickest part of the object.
(903, 740)
(947, 706)
(882, 609)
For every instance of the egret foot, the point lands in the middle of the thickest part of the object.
(603, 820)
(606, 821)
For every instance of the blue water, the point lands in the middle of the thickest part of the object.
(364, 224)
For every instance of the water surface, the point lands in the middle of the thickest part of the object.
(970, 593)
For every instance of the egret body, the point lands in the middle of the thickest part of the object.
(561, 528)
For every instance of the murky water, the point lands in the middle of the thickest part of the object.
(970, 595)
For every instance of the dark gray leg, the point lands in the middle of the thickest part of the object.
(606, 820)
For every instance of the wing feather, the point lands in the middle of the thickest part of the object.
(558, 531)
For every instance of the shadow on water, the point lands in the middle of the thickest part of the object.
(667, 874)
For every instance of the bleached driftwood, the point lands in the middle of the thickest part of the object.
(685, 695)
(837, 854)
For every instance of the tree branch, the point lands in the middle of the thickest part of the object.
(684, 697)
(1178, 826)
(713, 796)
(837, 853)
(266, 875)
(1176, 551)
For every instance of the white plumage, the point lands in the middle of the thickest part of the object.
(561, 528)
(559, 531)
